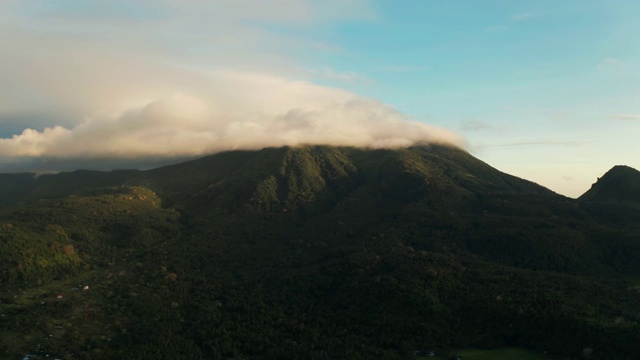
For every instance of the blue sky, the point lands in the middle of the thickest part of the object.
(539, 89)
(544, 90)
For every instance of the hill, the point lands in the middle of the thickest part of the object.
(619, 185)
(313, 252)
(24, 187)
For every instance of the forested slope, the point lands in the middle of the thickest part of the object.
(313, 252)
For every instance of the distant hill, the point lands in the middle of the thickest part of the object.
(313, 252)
(15, 185)
(28, 186)
(620, 185)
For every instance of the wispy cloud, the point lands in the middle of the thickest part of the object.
(625, 117)
(169, 11)
(613, 67)
(341, 76)
(406, 68)
(475, 125)
(496, 29)
(543, 143)
(523, 16)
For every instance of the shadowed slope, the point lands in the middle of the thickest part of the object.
(313, 252)
(312, 178)
(619, 185)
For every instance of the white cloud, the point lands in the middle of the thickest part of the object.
(475, 125)
(178, 78)
(274, 112)
(79, 58)
(610, 62)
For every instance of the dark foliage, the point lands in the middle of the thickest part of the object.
(312, 253)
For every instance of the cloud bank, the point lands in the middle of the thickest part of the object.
(257, 111)
(114, 83)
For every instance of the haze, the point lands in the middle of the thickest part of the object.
(546, 91)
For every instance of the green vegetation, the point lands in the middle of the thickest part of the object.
(501, 354)
(497, 354)
(314, 253)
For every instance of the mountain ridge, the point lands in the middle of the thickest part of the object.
(17, 186)
(230, 159)
(314, 252)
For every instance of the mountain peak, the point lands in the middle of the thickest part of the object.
(623, 170)
(621, 184)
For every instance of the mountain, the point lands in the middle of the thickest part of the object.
(619, 185)
(280, 176)
(312, 252)
(309, 179)
(615, 197)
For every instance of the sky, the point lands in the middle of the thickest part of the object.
(544, 90)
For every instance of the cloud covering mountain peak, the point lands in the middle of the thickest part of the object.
(272, 112)
(85, 82)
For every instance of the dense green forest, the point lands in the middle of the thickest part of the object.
(316, 252)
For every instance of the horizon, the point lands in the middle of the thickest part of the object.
(546, 91)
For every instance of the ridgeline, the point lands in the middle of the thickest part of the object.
(316, 252)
